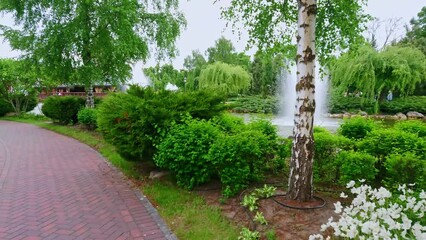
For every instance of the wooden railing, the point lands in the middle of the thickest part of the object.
(80, 94)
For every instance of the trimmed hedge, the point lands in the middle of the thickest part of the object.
(63, 109)
(254, 104)
(341, 104)
(404, 105)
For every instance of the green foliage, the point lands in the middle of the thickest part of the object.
(265, 68)
(405, 168)
(416, 36)
(161, 76)
(254, 104)
(88, 117)
(246, 234)
(225, 78)
(272, 26)
(404, 105)
(413, 126)
(397, 69)
(17, 81)
(327, 147)
(340, 104)
(96, 43)
(239, 159)
(193, 65)
(5, 107)
(356, 165)
(184, 151)
(250, 202)
(222, 51)
(357, 127)
(260, 218)
(382, 142)
(62, 109)
(265, 192)
(136, 122)
(229, 124)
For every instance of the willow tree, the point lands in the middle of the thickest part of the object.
(320, 27)
(397, 69)
(91, 41)
(225, 78)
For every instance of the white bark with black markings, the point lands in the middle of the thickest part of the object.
(300, 179)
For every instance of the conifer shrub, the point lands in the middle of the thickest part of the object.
(136, 122)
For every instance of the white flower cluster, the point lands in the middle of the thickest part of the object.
(374, 214)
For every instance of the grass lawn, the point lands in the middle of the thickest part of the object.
(186, 213)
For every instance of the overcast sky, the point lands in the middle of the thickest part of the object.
(205, 26)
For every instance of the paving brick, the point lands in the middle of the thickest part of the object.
(53, 187)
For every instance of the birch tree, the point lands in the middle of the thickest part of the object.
(92, 41)
(320, 27)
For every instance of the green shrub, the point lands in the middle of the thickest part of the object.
(239, 159)
(357, 127)
(62, 109)
(406, 168)
(382, 142)
(280, 162)
(136, 122)
(229, 123)
(184, 151)
(356, 165)
(327, 145)
(404, 105)
(265, 127)
(88, 117)
(5, 107)
(340, 104)
(254, 104)
(413, 126)
(115, 119)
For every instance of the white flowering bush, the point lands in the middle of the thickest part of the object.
(376, 214)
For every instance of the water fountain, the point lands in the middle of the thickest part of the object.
(285, 120)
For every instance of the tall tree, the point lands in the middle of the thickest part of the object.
(223, 51)
(265, 69)
(193, 64)
(397, 69)
(92, 41)
(273, 24)
(160, 76)
(18, 82)
(416, 34)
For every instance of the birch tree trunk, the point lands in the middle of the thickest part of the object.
(300, 178)
(90, 100)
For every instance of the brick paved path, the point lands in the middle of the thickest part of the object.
(53, 187)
